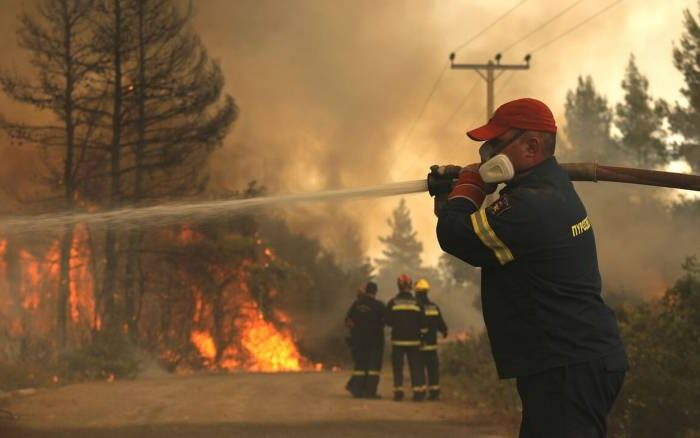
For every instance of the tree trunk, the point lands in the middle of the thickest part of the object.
(14, 276)
(110, 318)
(133, 260)
(64, 286)
(67, 239)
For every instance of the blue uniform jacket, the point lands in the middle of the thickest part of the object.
(540, 283)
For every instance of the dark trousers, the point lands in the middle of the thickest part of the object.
(571, 401)
(366, 370)
(431, 365)
(415, 366)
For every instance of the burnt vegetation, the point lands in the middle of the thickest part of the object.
(130, 108)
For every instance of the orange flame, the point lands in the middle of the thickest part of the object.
(260, 344)
(204, 343)
(81, 296)
(270, 349)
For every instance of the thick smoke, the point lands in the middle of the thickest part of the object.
(329, 92)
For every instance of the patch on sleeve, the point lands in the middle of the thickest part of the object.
(502, 204)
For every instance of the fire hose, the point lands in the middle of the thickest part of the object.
(594, 172)
(163, 214)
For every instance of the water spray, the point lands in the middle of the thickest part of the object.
(166, 214)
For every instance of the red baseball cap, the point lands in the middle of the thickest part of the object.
(529, 114)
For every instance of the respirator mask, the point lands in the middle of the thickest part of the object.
(497, 167)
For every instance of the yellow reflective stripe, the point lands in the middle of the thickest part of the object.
(412, 307)
(418, 388)
(358, 373)
(373, 373)
(405, 343)
(429, 347)
(425, 330)
(434, 388)
(432, 313)
(488, 237)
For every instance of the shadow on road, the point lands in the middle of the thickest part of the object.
(401, 429)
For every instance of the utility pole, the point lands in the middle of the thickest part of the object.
(487, 72)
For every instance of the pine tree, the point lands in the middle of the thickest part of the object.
(165, 113)
(685, 120)
(179, 117)
(58, 38)
(455, 273)
(640, 120)
(588, 120)
(402, 250)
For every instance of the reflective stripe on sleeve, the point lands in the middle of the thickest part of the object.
(412, 307)
(431, 313)
(405, 343)
(488, 237)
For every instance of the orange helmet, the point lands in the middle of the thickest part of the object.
(404, 282)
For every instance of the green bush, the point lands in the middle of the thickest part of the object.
(22, 375)
(661, 395)
(470, 375)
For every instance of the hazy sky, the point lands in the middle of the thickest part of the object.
(336, 85)
(328, 90)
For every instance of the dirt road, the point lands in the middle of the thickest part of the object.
(240, 405)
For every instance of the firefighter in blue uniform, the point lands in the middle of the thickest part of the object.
(540, 284)
(405, 317)
(429, 348)
(366, 321)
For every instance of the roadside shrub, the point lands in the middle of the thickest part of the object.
(107, 356)
(471, 376)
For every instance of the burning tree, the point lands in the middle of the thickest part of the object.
(138, 115)
(141, 110)
(58, 37)
(167, 116)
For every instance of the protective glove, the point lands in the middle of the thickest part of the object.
(447, 171)
(470, 186)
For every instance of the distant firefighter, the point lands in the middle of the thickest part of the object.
(365, 318)
(406, 319)
(429, 348)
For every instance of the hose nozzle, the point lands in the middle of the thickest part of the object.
(441, 179)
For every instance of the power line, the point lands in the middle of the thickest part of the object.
(461, 105)
(488, 72)
(442, 72)
(425, 105)
(542, 26)
(493, 23)
(562, 35)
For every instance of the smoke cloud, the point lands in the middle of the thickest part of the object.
(329, 92)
